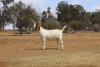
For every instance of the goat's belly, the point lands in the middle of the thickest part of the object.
(51, 38)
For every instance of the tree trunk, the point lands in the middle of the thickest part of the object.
(20, 29)
(3, 25)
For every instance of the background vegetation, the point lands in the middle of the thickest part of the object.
(22, 17)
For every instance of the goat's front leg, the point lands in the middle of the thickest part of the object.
(43, 42)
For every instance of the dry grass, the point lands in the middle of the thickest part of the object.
(81, 50)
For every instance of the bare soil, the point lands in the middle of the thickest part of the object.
(81, 50)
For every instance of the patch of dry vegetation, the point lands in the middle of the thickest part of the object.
(81, 50)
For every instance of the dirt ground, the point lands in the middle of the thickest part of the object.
(81, 50)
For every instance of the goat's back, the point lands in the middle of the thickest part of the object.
(52, 34)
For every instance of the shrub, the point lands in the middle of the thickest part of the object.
(77, 25)
(96, 27)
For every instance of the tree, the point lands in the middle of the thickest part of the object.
(95, 17)
(45, 16)
(23, 15)
(50, 16)
(76, 10)
(95, 20)
(63, 12)
(48, 19)
(5, 13)
(77, 25)
(43, 19)
(80, 12)
(0, 20)
(72, 14)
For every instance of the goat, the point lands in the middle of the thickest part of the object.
(49, 34)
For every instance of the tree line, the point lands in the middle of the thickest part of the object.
(22, 16)
(76, 17)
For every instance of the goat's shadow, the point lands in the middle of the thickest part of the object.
(32, 49)
(41, 49)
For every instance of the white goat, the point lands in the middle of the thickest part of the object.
(49, 34)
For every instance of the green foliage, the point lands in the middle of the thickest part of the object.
(72, 15)
(95, 18)
(5, 13)
(5, 2)
(67, 13)
(63, 11)
(23, 15)
(47, 19)
(53, 24)
(78, 12)
(77, 25)
(96, 27)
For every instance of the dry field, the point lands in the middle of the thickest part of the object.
(81, 50)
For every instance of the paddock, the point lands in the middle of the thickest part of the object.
(82, 49)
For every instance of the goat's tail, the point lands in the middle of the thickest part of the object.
(63, 28)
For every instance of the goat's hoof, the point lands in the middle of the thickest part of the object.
(56, 48)
(62, 48)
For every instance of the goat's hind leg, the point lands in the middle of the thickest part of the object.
(57, 43)
(62, 43)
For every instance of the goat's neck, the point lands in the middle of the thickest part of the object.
(41, 29)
